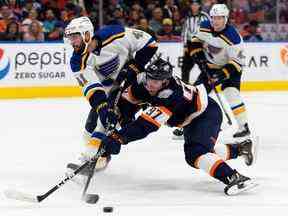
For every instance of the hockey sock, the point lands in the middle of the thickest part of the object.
(237, 105)
(226, 152)
(212, 164)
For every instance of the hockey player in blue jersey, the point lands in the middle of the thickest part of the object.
(174, 103)
(100, 62)
(218, 50)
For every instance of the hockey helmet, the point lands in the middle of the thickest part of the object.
(159, 69)
(80, 25)
(220, 10)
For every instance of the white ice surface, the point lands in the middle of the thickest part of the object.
(39, 137)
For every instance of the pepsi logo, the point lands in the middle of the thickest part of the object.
(4, 64)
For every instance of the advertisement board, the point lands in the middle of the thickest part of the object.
(43, 70)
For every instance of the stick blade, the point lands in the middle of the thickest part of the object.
(17, 195)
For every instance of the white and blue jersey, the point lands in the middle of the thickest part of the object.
(221, 48)
(96, 73)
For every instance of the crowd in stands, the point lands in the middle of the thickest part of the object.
(45, 20)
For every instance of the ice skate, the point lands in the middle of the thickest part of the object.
(238, 183)
(242, 134)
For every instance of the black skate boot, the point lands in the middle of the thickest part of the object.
(245, 150)
(238, 183)
(178, 133)
(242, 134)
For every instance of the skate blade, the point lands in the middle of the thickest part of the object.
(248, 185)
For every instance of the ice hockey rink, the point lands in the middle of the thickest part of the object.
(40, 136)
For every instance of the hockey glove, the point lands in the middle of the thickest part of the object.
(112, 143)
(218, 77)
(129, 72)
(107, 116)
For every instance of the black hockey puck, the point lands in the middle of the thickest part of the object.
(108, 209)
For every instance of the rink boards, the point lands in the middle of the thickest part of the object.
(30, 70)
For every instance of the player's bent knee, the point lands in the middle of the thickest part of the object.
(193, 151)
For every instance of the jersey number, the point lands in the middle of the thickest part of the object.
(137, 34)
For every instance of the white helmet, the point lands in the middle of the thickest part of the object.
(219, 10)
(80, 25)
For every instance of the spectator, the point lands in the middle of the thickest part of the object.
(169, 8)
(56, 33)
(49, 22)
(6, 16)
(35, 32)
(143, 25)
(177, 20)
(133, 18)
(118, 16)
(33, 15)
(64, 19)
(167, 33)
(12, 32)
(253, 33)
(156, 22)
(149, 10)
(256, 10)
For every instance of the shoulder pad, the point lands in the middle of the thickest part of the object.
(110, 32)
(231, 36)
(205, 26)
(78, 62)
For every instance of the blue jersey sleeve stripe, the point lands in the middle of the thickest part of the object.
(109, 30)
(223, 37)
(112, 38)
(231, 35)
(205, 24)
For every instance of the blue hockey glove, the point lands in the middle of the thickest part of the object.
(112, 143)
(107, 116)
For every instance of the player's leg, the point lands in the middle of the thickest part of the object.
(231, 90)
(244, 149)
(91, 141)
(200, 137)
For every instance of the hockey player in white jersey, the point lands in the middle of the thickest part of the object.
(218, 49)
(101, 61)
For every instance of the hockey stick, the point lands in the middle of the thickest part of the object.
(14, 194)
(203, 68)
(93, 198)
(18, 195)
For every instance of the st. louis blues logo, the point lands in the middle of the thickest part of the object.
(4, 64)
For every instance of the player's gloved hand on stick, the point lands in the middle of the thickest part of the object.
(112, 142)
(218, 77)
(108, 117)
(129, 72)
